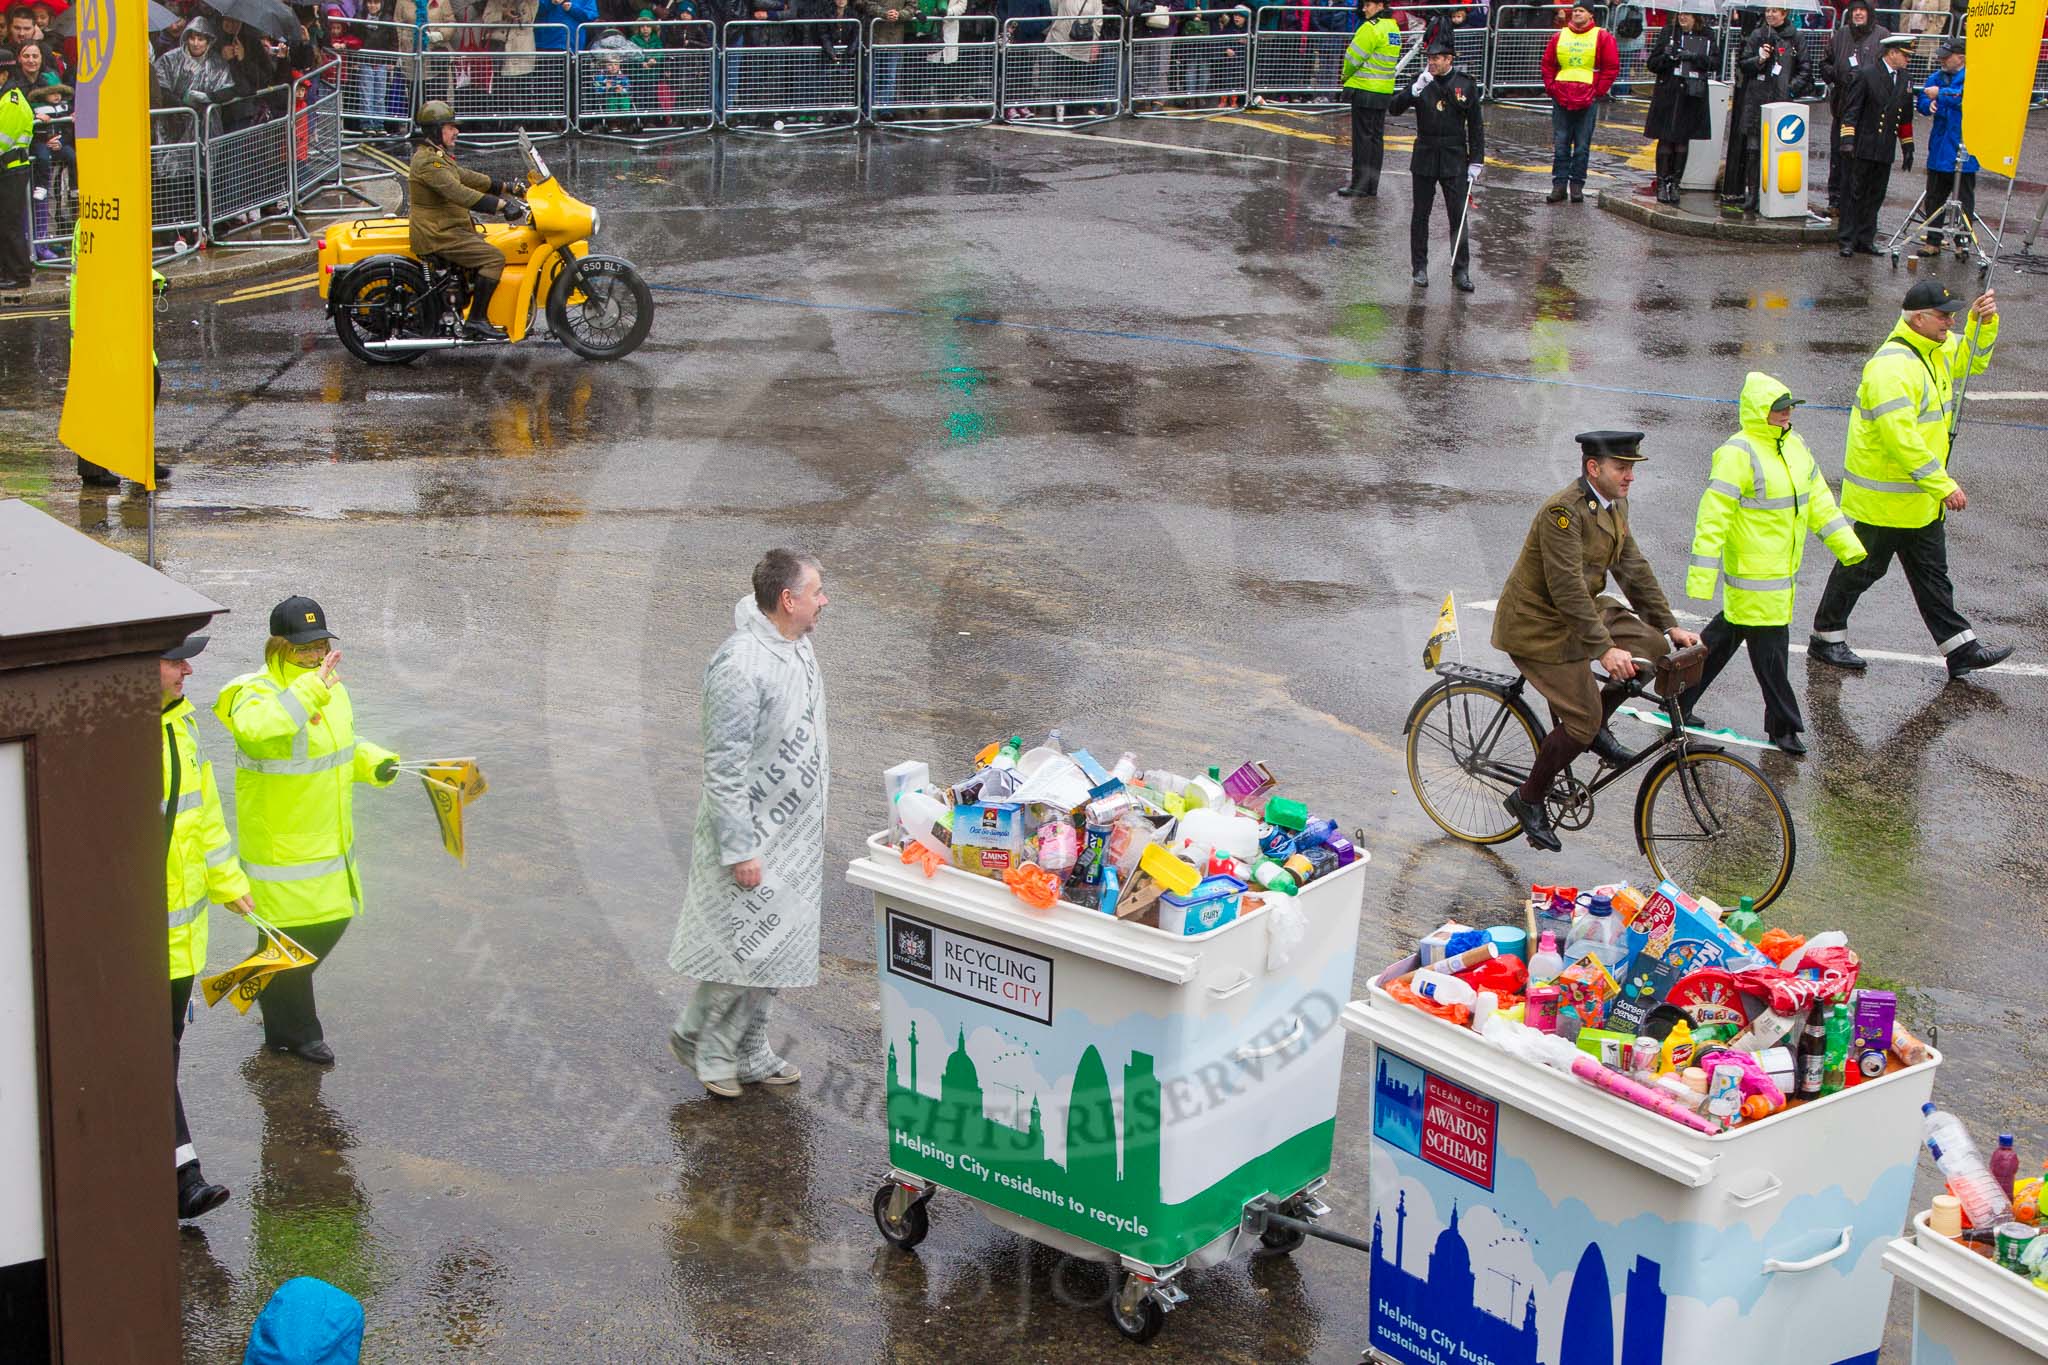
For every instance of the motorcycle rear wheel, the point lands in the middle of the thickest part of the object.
(612, 316)
(379, 303)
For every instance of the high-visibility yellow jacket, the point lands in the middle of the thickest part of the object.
(1374, 53)
(1897, 466)
(17, 126)
(297, 759)
(1764, 494)
(199, 860)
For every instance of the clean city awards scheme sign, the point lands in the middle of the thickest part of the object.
(2004, 49)
(109, 416)
(971, 968)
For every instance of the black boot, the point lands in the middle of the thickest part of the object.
(1836, 653)
(1556, 195)
(1420, 279)
(1975, 655)
(1609, 748)
(1526, 805)
(1461, 280)
(1347, 191)
(195, 1195)
(478, 325)
(93, 476)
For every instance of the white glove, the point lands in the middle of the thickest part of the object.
(1472, 172)
(1421, 84)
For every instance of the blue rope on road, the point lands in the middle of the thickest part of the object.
(1233, 348)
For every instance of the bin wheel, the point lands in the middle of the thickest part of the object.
(1281, 1241)
(1140, 1324)
(905, 1231)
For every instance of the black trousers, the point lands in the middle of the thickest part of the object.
(289, 1017)
(1939, 184)
(1427, 187)
(1923, 553)
(1865, 196)
(1368, 137)
(181, 995)
(1838, 168)
(1745, 171)
(14, 262)
(1769, 654)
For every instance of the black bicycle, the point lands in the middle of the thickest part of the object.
(1705, 819)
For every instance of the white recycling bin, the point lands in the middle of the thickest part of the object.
(1703, 155)
(1110, 1089)
(1521, 1216)
(1966, 1310)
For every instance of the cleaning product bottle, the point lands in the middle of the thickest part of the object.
(1547, 962)
(1595, 930)
(1841, 1031)
(1442, 989)
(1968, 1178)
(927, 820)
(2005, 1164)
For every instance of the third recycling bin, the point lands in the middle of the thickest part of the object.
(1521, 1216)
(1966, 1309)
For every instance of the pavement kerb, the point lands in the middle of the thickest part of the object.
(1627, 204)
(198, 270)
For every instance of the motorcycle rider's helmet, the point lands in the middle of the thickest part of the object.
(432, 117)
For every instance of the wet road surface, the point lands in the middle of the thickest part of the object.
(1153, 443)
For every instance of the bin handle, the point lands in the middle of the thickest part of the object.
(1252, 1054)
(1771, 1186)
(1244, 979)
(1773, 1266)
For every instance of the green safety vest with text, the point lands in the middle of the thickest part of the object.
(1374, 53)
(1765, 493)
(1896, 469)
(199, 857)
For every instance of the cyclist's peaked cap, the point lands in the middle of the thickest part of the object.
(1615, 445)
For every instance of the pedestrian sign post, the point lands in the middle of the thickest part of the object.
(1783, 190)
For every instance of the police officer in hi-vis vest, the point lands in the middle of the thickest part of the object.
(1369, 82)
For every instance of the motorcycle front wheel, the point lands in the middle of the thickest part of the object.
(379, 302)
(600, 308)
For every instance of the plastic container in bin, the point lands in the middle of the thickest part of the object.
(1524, 1216)
(1110, 1089)
(1966, 1310)
(1211, 905)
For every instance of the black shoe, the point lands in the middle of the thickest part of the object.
(316, 1052)
(1976, 655)
(474, 330)
(1535, 822)
(1791, 744)
(1866, 249)
(1846, 252)
(1578, 194)
(93, 476)
(1461, 280)
(1609, 749)
(1347, 191)
(13, 286)
(1556, 195)
(197, 1197)
(1370, 189)
(1836, 653)
(1420, 279)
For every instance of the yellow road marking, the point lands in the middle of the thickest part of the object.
(253, 295)
(1265, 127)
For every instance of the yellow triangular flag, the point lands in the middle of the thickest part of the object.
(448, 800)
(1446, 631)
(246, 979)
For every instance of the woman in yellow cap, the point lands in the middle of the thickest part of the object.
(297, 758)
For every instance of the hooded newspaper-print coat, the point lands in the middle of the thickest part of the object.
(766, 768)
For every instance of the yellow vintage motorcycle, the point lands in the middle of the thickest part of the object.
(390, 308)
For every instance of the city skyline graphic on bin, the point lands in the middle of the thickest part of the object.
(1446, 1301)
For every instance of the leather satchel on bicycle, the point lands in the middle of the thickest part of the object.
(1680, 671)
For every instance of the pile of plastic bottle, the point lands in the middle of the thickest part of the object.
(1187, 854)
(1666, 1001)
(1985, 1206)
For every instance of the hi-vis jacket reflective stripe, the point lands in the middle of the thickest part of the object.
(1577, 54)
(1763, 496)
(297, 759)
(199, 863)
(1896, 470)
(1374, 53)
(17, 125)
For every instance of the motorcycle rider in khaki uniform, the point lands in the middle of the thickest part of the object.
(442, 195)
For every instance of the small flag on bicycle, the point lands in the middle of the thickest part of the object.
(1445, 632)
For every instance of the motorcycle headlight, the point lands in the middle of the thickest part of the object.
(596, 222)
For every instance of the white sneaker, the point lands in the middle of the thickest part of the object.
(42, 192)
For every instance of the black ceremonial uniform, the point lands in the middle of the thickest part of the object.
(1450, 136)
(1876, 119)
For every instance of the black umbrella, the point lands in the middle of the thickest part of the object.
(65, 24)
(273, 17)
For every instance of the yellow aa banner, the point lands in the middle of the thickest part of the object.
(451, 784)
(1446, 631)
(109, 417)
(246, 979)
(2004, 49)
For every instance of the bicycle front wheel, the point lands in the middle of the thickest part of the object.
(1468, 747)
(1714, 824)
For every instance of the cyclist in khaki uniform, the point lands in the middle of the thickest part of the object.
(1554, 622)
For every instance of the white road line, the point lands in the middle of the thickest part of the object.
(2015, 396)
(1888, 655)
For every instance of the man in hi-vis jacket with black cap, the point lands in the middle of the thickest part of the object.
(1555, 624)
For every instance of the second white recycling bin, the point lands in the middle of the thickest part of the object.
(1521, 1216)
(1966, 1310)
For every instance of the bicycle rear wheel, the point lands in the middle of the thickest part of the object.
(1468, 747)
(1714, 824)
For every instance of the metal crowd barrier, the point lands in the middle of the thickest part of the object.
(646, 95)
(1472, 39)
(946, 79)
(2041, 76)
(1296, 59)
(52, 216)
(380, 85)
(1930, 26)
(1521, 36)
(497, 93)
(318, 142)
(175, 173)
(1192, 75)
(791, 78)
(248, 173)
(1077, 81)
(1736, 26)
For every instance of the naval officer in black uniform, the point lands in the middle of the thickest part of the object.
(1450, 148)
